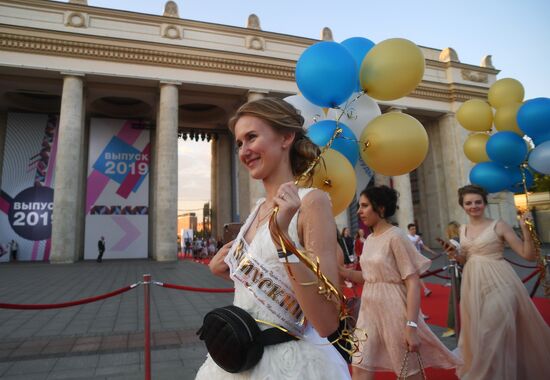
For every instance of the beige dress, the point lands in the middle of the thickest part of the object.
(386, 261)
(502, 336)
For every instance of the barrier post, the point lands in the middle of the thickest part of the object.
(455, 293)
(147, 325)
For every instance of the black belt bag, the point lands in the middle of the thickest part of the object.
(234, 340)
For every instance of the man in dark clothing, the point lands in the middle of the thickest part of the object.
(101, 249)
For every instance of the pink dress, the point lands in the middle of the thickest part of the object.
(503, 336)
(387, 260)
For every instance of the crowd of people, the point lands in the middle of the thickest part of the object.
(503, 336)
(201, 248)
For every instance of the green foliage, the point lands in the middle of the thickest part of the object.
(542, 183)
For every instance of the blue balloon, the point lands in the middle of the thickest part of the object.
(346, 143)
(539, 158)
(358, 47)
(326, 74)
(492, 176)
(506, 148)
(537, 140)
(517, 179)
(533, 118)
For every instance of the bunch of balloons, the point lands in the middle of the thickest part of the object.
(504, 159)
(338, 84)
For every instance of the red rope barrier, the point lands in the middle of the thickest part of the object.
(521, 265)
(432, 273)
(66, 304)
(442, 276)
(193, 289)
(533, 274)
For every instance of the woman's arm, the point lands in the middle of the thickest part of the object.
(525, 248)
(412, 284)
(217, 264)
(355, 276)
(317, 232)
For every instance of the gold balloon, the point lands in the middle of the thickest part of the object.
(506, 91)
(335, 175)
(394, 144)
(475, 115)
(474, 147)
(392, 69)
(505, 118)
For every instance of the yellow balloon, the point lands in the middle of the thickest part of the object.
(392, 69)
(475, 115)
(394, 144)
(505, 118)
(474, 147)
(506, 91)
(335, 175)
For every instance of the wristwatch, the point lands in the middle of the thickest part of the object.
(412, 324)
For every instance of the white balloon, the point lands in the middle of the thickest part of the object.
(357, 114)
(539, 158)
(309, 111)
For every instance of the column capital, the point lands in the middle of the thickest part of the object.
(256, 94)
(399, 109)
(170, 82)
(72, 74)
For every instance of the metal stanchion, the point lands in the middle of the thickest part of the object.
(147, 325)
(455, 293)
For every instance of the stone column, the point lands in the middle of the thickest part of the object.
(455, 164)
(165, 197)
(3, 130)
(221, 183)
(405, 213)
(68, 173)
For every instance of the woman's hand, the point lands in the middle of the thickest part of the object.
(288, 201)
(412, 339)
(217, 265)
(525, 218)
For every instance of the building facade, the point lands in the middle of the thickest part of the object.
(110, 91)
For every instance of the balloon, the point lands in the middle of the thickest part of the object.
(392, 69)
(475, 115)
(516, 179)
(310, 112)
(326, 74)
(492, 176)
(506, 148)
(357, 114)
(394, 144)
(358, 47)
(335, 175)
(539, 159)
(534, 118)
(537, 140)
(505, 91)
(505, 118)
(474, 147)
(346, 143)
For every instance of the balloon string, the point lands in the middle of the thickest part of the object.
(541, 260)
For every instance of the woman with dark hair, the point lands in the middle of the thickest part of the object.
(275, 288)
(390, 302)
(502, 336)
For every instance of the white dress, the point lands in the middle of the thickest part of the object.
(311, 357)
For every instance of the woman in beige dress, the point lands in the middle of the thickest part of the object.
(503, 336)
(390, 302)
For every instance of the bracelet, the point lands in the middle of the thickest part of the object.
(412, 324)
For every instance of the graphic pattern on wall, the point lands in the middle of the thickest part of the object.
(26, 197)
(117, 197)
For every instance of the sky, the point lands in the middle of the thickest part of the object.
(515, 32)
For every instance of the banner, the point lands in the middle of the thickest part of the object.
(117, 197)
(26, 196)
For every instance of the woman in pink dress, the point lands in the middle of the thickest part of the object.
(390, 303)
(502, 336)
